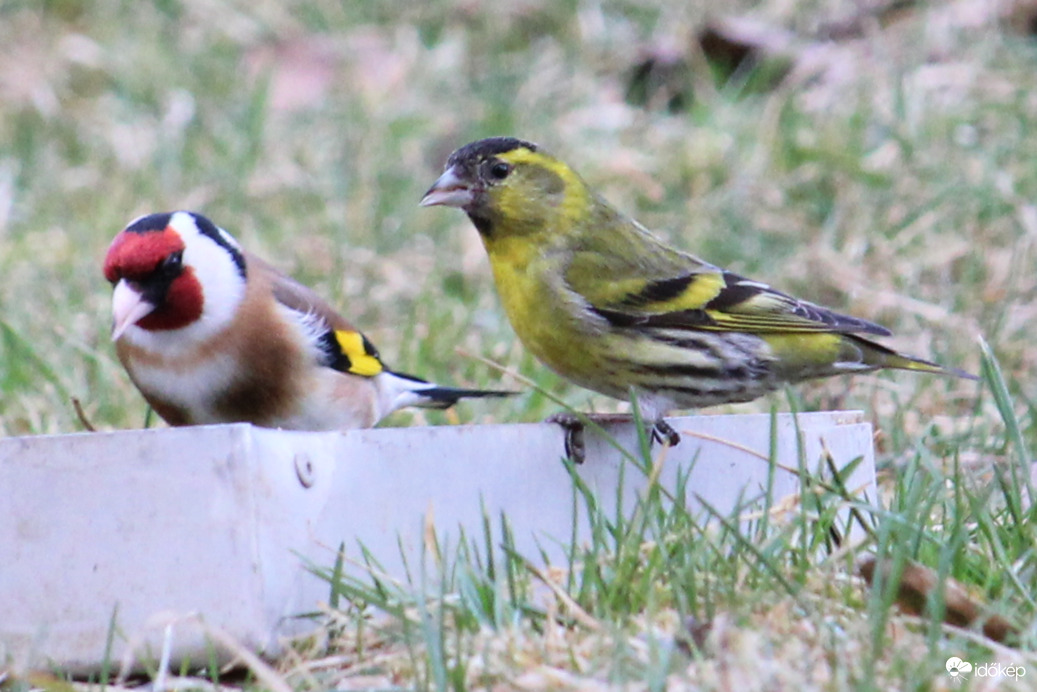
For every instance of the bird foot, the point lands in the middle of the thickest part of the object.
(663, 433)
(575, 447)
(573, 425)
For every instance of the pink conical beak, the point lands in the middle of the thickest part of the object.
(450, 190)
(128, 307)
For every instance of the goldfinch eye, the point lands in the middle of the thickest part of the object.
(499, 170)
(172, 265)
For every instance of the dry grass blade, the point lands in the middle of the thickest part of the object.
(572, 607)
(919, 586)
(81, 415)
(264, 673)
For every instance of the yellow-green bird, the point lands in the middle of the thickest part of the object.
(606, 304)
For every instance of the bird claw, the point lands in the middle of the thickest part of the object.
(575, 446)
(663, 433)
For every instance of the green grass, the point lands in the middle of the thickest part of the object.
(774, 594)
(901, 189)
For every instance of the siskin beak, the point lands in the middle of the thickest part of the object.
(450, 190)
(128, 307)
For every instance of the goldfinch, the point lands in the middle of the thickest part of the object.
(211, 334)
(603, 302)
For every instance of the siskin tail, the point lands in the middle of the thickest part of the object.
(903, 362)
(884, 357)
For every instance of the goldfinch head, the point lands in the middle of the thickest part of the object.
(509, 186)
(175, 275)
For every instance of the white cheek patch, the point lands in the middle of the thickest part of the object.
(223, 289)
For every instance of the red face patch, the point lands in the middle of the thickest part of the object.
(135, 256)
(138, 258)
(182, 306)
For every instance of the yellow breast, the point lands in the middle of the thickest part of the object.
(550, 320)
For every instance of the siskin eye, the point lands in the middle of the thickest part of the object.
(499, 170)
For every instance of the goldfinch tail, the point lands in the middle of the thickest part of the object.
(414, 391)
(445, 397)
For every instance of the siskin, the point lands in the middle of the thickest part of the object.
(607, 305)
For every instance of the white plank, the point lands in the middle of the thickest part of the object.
(217, 520)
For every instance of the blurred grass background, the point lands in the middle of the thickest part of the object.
(879, 161)
(896, 186)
